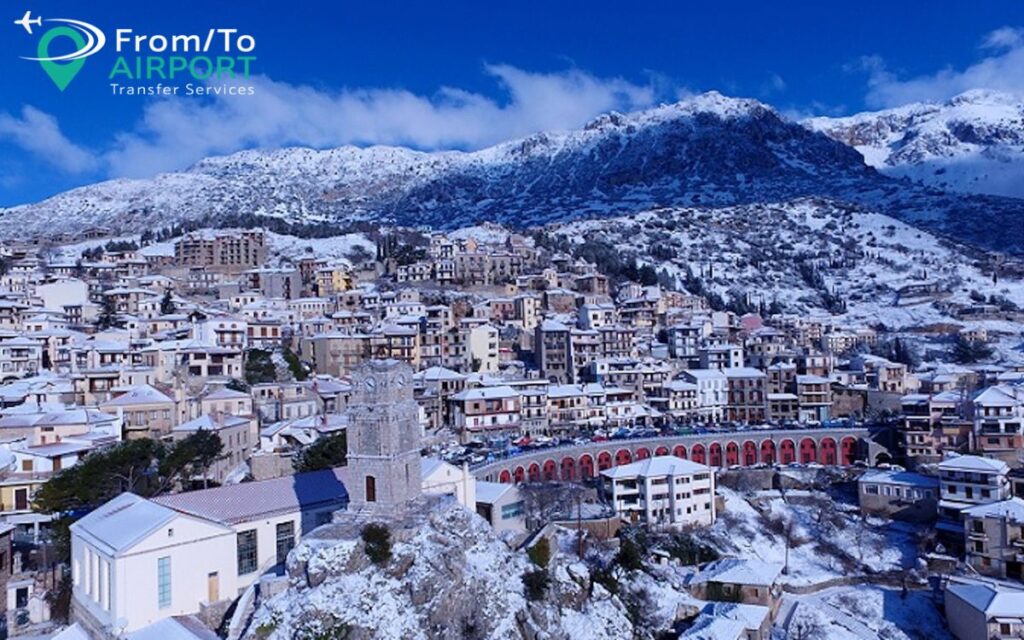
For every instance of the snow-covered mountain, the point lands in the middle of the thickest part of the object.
(973, 143)
(810, 256)
(708, 150)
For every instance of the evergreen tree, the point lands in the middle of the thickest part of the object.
(108, 313)
(326, 453)
(167, 306)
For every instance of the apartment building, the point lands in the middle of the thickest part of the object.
(663, 491)
(994, 541)
(231, 251)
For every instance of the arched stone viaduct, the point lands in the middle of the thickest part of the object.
(832, 446)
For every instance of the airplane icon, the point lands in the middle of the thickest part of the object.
(27, 21)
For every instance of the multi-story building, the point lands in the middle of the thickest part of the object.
(969, 481)
(237, 435)
(677, 398)
(999, 422)
(995, 538)
(145, 411)
(814, 394)
(231, 251)
(663, 491)
(486, 411)
(747, 395)
(712, 392)
(553, 349)
(931, 426)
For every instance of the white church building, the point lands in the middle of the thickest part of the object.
(136, 561)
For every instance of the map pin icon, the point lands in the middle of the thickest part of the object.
(61, 73)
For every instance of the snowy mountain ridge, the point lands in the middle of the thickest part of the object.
(709, 150)
(972, 143)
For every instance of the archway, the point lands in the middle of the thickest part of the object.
(698, 453)
(623, 456)
(533, 472)
(679, 451)
(586, 466)
(568, 469)
(715, 455)
(604, 461)
(643, 453)
(848, 450)
(749, 454)
(505, 477)
(661, 451)
(787, 451)
(732, 454)
(520, 475)
(550, 471)
(768, 452)
(827, 451)
(808, 451)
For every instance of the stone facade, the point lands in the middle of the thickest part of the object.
(384, 439)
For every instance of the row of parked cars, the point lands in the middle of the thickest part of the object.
(479, 452)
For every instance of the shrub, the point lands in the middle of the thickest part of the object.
(629, 557)
(540, 553)
(377, 539)
(536, 583)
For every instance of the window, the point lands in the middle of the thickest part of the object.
(285, 540)
(247, 552)
(163, 581)
(513, 510)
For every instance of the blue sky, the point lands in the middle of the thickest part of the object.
(468, 74)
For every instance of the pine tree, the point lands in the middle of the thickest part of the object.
(167, 306)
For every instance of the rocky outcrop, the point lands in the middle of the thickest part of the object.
(450, 577)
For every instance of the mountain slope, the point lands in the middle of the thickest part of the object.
(973, 143)
(705, 151)
(810, 256)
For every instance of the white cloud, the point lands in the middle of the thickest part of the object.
(38, 133)
(774, 84)
(175, 133)
(1001, 70)
(1004, 37)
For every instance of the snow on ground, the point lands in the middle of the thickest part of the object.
(334, 248)
(483, 233)
(451, 577)
(74, 251)
(864, 613)
(828, 542)
(864, 258)
(158, 249)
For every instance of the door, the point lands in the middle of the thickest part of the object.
(212, 587)
(371, 489)
(21, 499)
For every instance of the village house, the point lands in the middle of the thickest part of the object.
(898, 494)
(136, 561)
(746, 581)
(984, 610)
(995, 538)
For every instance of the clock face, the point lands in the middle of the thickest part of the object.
(370, 384)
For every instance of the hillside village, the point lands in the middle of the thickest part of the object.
(587, 429)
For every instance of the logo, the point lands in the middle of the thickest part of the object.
(210, 62)
(62, 69)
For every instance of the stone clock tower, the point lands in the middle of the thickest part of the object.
(384, 439)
